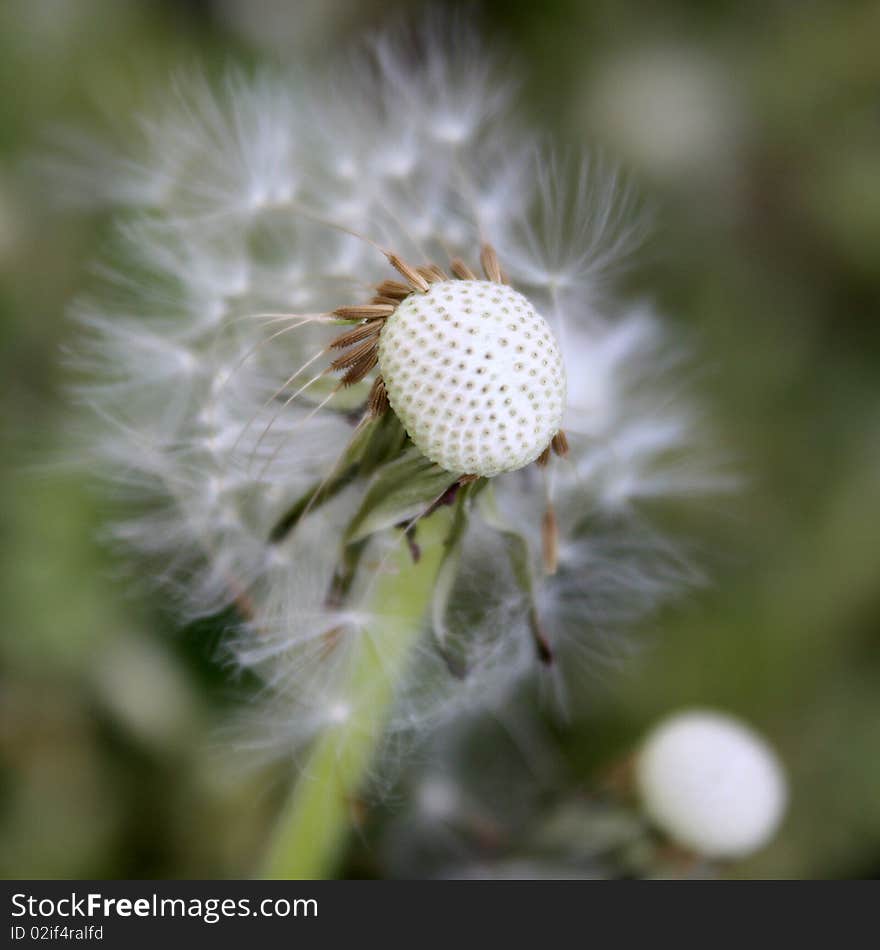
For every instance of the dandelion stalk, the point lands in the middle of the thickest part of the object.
(313, 825)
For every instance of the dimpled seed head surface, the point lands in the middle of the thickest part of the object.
(475, 376)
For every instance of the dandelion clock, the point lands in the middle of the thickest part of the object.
(358, 380)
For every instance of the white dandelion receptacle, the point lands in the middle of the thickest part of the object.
(475, 375)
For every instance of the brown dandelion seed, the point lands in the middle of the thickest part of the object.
(432, 273)
(413, 277)
(539, 636)
(363, 332)
(360, 369)
(377, 403)
(491, 265)
(368, 311)
(461, 270)
(560, 444)
(550, 540)
(393, 289)
(355, 355)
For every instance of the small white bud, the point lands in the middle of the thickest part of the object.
(711, 783)
(475, 375)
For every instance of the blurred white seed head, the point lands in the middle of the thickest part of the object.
(711, 784)
(245, 440)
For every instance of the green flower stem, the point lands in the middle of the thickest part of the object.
(313, 827)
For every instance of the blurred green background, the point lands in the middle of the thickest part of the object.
(753, 130)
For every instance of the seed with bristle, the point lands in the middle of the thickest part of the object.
(413, 277)
(355, 354)
(377, 403)
(560, 444)
(491, 264)
(431, 273)
(367, 311)
(360, 369)
(542, 644)
(362, 332)
(475, 376)
(393, 289)
(461, 270)
(550, 540)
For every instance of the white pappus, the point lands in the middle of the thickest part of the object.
(272, 230)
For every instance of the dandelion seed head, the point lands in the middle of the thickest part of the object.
(711, 783)
(475, 375)
(252, 212)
